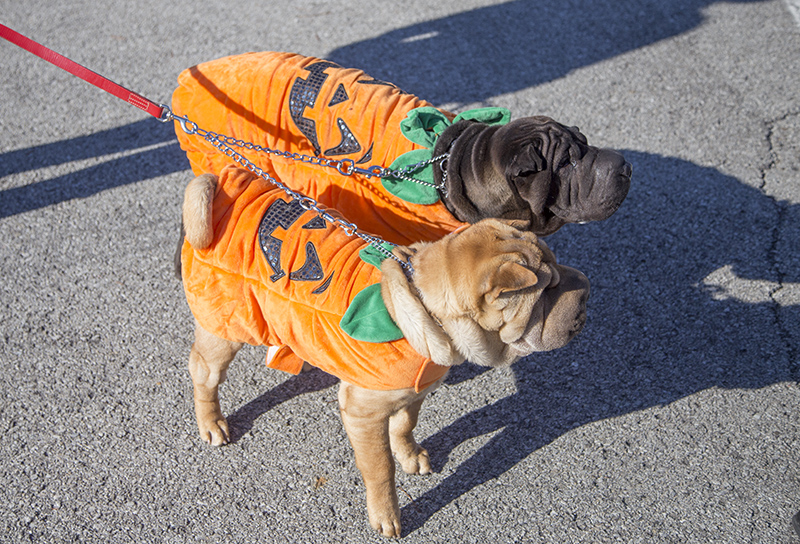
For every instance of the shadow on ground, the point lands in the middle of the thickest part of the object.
(667, 315)
(475, 55)
(128, 154)
(666, 320)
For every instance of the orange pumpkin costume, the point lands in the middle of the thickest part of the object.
(293, 103)
(277, 275)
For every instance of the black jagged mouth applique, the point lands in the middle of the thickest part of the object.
(349, 142)
(367, 156)
(324, 285)
(311, 269)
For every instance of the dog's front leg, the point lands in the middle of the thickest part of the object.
(413, 458)
(208, 364)
(366, 420)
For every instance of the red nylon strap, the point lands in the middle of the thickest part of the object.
(80, 71)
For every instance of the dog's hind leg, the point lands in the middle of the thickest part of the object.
(412, 457)
(208, 364)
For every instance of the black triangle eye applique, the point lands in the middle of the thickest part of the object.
(339, 96)
(316, 223)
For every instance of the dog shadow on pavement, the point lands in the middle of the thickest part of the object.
(474, 55)
(679, 275)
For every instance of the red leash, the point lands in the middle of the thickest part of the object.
(156, 110)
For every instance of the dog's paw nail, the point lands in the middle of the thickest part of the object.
(387, 523)
(219, 440)
(390, 529)
(216, 435)
(418, 463)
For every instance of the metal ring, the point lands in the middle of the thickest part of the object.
(350, 167)
(307, 203)
(166, 114)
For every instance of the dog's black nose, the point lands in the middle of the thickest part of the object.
(627, 169)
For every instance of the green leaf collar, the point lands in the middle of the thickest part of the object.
(423, 126)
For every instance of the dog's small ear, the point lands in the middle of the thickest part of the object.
(404, 253)
(519, 224)
(526, 162)
(508, 278)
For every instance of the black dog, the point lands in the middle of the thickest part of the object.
(534, 169)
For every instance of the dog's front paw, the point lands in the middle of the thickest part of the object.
(215, 433)
(212, 426)
(383, 509)
(386, 523)
(418, 462)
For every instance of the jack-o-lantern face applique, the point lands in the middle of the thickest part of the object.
(282, 214)
(303, 100)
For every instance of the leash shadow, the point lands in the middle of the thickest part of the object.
(139, 151)
(679, 275)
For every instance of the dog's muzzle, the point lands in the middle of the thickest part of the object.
(557, 317)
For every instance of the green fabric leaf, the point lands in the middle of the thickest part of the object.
(372, 255)
(409, 190)
(490, 116)
(367, 318)
(424, 125)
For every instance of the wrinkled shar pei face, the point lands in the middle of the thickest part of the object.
(561, 177)
(502, 286)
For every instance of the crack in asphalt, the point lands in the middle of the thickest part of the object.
(781, 208)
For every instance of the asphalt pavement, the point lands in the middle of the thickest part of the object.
(672, 418)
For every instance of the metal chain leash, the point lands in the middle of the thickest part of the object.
(346, 167)
(163, 113)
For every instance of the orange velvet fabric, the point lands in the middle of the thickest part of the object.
(250, 97)
(235, 293)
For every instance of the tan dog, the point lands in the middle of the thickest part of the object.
(489, 294)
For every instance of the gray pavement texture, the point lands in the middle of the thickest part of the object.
(672, 418)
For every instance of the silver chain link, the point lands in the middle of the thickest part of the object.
(346, 167)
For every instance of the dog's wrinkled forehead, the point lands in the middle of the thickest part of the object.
(541, 128)
(503, 240)
(538, 143)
